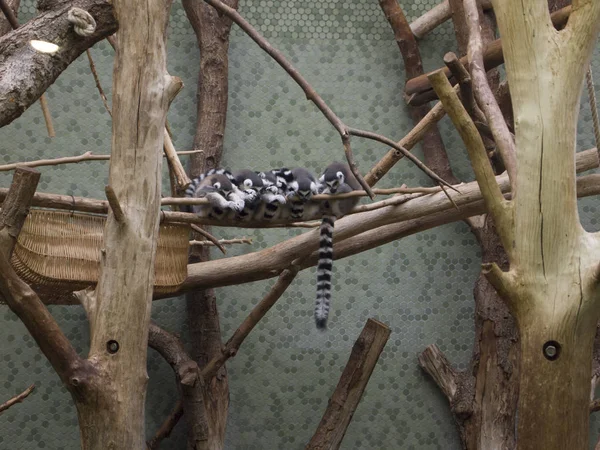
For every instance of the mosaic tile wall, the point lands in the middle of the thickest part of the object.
(282, 377)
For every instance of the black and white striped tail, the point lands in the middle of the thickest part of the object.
(324, 272)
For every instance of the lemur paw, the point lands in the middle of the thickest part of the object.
(237, 205)
(250, 195)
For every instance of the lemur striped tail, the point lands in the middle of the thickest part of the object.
(324, 272)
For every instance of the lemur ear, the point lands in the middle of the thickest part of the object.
(322, 178)
(217, 185)
(248, 182)
(340, 176)
(314, 187)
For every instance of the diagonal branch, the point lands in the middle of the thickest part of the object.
(485, 97)
(189, 380)
(350, 388)
(17, 398)
(21, 299)
(484, 174)
(258, 312)
(344, 131)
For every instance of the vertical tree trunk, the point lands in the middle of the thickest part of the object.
(552, 283)
(212, 32)
(111, 416)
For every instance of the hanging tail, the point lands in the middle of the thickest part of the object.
(324, 272)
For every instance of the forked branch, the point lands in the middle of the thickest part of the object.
(484, 174)
(344, 131)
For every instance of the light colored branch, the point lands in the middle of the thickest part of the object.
(223, 242)
(114, 204)
(350, 388)
(484, 174)
(408, 142)
(436, 16)
(87, 156)
(237, 270)
(484, 95)
(258, 312)
(17, 398)
(174, 163)
(433, 361)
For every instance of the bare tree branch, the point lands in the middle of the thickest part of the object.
(436, 16)
(17, 398)
(165, 429)
(485, 97)
(419, 90)
(497, 205)
(258, 312)
(187, 373)
(350, 388)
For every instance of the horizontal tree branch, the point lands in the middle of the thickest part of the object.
(87, 156)
(25, 74)
(419, 91)
(436, 16)
(418, 214)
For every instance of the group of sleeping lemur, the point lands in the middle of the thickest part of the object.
(281, 194)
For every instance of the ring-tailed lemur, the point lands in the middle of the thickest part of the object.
(249, 184)
(336, 179)
(215, 185)
(300, 190)
(272, 194)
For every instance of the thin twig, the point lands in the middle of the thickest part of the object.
(408, 142)
(210, 237)
(166, 428)
(87, 156)
(97, 80)
(319, 197)
(485, 97)
(405, 152)
(47, 116)
(344, 131)
(223, 242)
(18, 398)
(258, 312)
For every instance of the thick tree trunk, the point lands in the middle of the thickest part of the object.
(112, 415)
(552, 285)
(212, 32)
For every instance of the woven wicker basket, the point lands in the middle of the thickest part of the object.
(59, 249)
